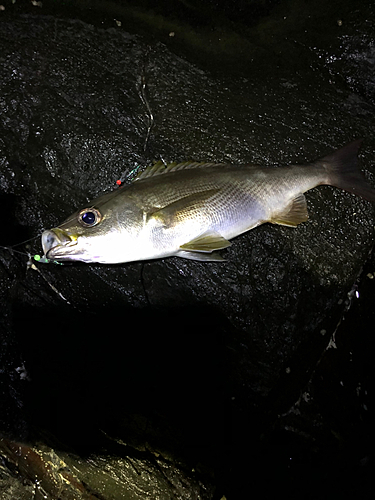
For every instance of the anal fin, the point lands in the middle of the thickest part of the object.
(293, 214)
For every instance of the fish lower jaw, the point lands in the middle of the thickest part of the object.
(58, 245)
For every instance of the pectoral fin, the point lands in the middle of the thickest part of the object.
(293, 214)
(186, 209)
(183, 208)
(207, 242)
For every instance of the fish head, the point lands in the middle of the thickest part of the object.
(97, 233)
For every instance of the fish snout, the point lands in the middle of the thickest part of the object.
(53, 240)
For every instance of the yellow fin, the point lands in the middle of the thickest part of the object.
(207, 242)
(293, 214)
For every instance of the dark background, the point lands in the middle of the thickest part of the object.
(178, 378)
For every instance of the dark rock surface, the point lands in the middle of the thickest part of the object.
(173, 378)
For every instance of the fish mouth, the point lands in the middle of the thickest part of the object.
(57, 244)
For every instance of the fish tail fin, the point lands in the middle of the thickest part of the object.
(343, 172)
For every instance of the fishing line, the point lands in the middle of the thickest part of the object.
(30, 264)
(34, 268)
(164, 162)
(143, 97)
(21, 243)
(38, 258)
(142, 87)
(11, 249)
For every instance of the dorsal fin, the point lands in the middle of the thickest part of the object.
(160, 168)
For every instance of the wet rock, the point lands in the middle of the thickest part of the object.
(167, 370)
(68, 477)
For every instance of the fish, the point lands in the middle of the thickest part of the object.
(192, 210)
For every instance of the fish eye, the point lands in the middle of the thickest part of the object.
(89, 217)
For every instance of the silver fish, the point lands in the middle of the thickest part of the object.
(192, 209)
